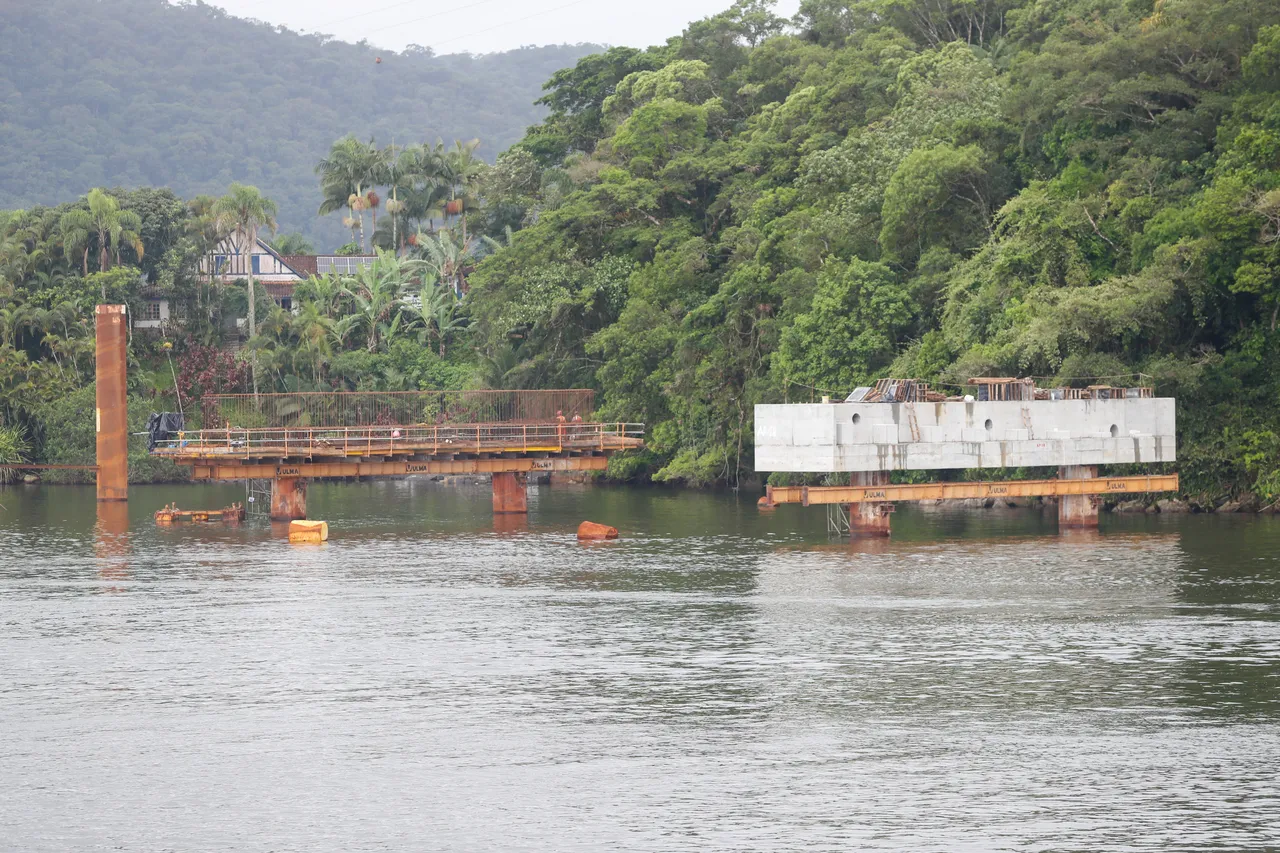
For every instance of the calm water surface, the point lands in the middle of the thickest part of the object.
(717, 680)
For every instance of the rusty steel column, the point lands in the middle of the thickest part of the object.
(509, 495)
(288, 499)
(1076, 511)
(111, 417)
(869, 518)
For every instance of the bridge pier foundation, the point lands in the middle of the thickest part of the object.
(869, 518)
(1078, 511)
(509, 495)
(288, 499)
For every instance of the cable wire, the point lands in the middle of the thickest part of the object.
(451, 11)
(486, 29)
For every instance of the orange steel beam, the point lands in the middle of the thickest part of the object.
(209, 446)
(112, 413)
(23, 467)
(817, 495)
(318, 470)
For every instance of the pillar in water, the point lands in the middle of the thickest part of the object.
(869, 518)
(509, 494)
(288, 499)
(111, 414)
(1076, 511)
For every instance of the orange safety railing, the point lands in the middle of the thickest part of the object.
(309, 442)
(389, 408)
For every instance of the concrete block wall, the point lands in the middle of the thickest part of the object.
(842, 437)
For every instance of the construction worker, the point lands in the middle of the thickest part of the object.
(560, 422)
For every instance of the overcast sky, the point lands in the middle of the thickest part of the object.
(485, 26)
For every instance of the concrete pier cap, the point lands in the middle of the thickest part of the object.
(901, 426)
(848, 437)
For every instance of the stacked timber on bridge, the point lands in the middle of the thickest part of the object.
(1008, 423)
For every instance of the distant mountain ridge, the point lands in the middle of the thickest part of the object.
(148, 93)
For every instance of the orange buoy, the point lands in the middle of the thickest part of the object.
(589, 531)
(302, 532)
(766, 502)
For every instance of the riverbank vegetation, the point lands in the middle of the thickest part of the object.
(764, 210)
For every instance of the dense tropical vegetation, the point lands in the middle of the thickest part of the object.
(764, 210)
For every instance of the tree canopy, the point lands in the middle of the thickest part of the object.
(151, 93)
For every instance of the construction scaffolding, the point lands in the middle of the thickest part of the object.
(393, 408)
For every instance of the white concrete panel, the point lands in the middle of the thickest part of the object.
(877, 436)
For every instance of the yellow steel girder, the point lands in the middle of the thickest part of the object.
(814, 495)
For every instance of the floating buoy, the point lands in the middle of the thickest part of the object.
(308, 532)
(589, 531)
(378, 61)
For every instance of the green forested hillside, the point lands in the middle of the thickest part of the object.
(144, 93)
(918, 188)
(759, 210)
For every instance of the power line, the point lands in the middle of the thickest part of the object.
(404, 3)
(486, 29)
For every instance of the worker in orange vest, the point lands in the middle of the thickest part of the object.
(560, 422)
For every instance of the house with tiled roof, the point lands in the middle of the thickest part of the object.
(233, 259)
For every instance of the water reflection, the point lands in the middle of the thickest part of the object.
(112, 539)
(510, 523)
(717, 679)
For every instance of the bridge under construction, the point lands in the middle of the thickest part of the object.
(291, 439)
(903, 426)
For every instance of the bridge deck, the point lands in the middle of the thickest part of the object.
(240, 448)
(816, 495)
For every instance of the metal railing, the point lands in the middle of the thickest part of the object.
(311, 442)
(389, 408)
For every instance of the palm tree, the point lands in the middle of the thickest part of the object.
(244, 209)
(446, 259)
(293, 244)
(378, 290)
(347, 177)
(111, 225)
(436, 311)
(313, 330)
(462, 170)
(77, 232)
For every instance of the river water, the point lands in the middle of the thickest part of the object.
(718, 679)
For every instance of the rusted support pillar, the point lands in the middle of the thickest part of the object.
(111, 416)
(509, 495)
(288, 499)
(869, 518)
(1076, 511)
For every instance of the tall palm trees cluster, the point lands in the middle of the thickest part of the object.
(391, 299)
(424, 186)
(105, 221)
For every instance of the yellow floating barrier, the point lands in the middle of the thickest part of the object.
(308, 532)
